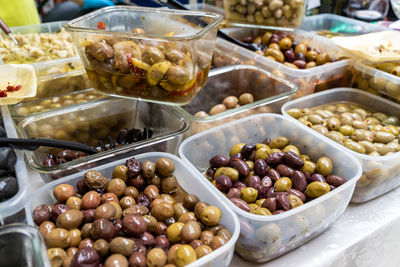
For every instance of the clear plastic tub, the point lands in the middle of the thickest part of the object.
(263, 238)
(376, 81)
(329, 25)
(10, 210)
(269, 91)
(166, 61)
(336, 74)
(26, 109)
(22, 245)
(95, 121)
(381, 174)
(51, 27)
(186, 178)
(276, 14)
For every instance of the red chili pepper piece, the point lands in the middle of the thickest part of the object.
(17, 87)
(101, 26)
(3, 94)
(187, 90)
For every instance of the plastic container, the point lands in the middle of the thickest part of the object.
(270, 92)
(336, 74)
(10, 210)
(95, 121)
(22, 245)
(376, 81)
(51, 27)
(275, 14)
(172, 77)
(186, 178)
(380, 174)
(36, 107)
(263, 238)
(329, 25)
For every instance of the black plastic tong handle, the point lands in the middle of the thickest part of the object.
(34, 143)
(175, 4)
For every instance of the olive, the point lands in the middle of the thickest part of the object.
(230, 102)
(285, 43)
(202, 251)
(322, 58)
(95, 180)
(354, 146)
(122, 245)
(317, 189)
(190, 231)
(295, 112)
(116, 260)
(63, 192)
(121, 172)
(246, 98)
(311, 55)
(57, 238)
(232, 173)
(165, 166)
(201, 114)
(279, 142)
(102, 247)
(217, 109)
(383, 137)
(276, 54)
(324, 166)
(309, 167)
(210, 216)
(56, 256)
(311, 64)
(46, 227)
(184, 255)
(70, 219)
(190, 201)
(295, 201)
(346, 130)
(283, 184)
(300, 48)
(174, 232)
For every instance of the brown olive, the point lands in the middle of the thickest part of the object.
(70, 219)
(206, 237)
(217, 109)
(74, 203)
(217, 241)
(127, 202)
(56, 256)
(105, 211)
(162, 211)
(137, 259)
(190, 231)
(246, 98)
(199, 207)
(122, 245)
(108, 197)
(102, 247)
(90, 200)
(202, 251)
(46, 227)
(131, 191)
(156, 257)
(116, 186)
(148, 169)
(63, 192)
(230, 102)
(190, 201)
(95, 180)
(169, 184)
(116, 260)
(165, 166)
(58, 238)
(151, 192)
(121, 172)
(75, 237)
(322, 58)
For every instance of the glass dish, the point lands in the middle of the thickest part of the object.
(263, 238)
(270, 93)
(186, 178)
(381, 174)
(377, 81)
(96, 121)
(275, 14)
(22, 245)
(156, 55)
(26, 109)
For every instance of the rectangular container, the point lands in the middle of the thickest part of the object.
(51, 27)
(269, 91)
(95, 121)
(311, 80)
(11, 210)
(275, 14)
(26, 109)
(22, 245)
(187, 180)
(380, 174)
(329, 25)
(263, 238)
(376, 81)
(172, 77)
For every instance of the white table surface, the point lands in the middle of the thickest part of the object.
(365, 235)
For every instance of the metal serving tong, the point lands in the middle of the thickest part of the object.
(173, 4)
(7, 30)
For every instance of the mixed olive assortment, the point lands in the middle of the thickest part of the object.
(125, 137)
(8, 158)
(356, 127)
(32, 107)
(284, 13)
(147, 69)
(142, 217)
(282, 47)
(271, 177)
(229, 102)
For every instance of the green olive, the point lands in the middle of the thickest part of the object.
(211, 215)
(311, 64)
(174, 232)
(260, 202)
(277, 54)
(380, 116)
(391, 129)
(291, 148)
(336, 136)
(315, 119)
(295, 112)
(391, 121)
(346, 118)
(262, 211)
(369, 146)
(305, 157)
(184, 255)
(295, 201)
(383, 150)
(324, 166)
(334, 124)
(283, 184)
(274, 46)
(300, 48)
(311, 55)
(285, 43)
(232, 173)
(279, 142)
(249, 194)
(322, 58)
(354, 146)
(362, 135)
(266, 38)
(262, 153)
(321, 129)
(317, 189)
(236, 149)
(359, 124)
(309, 167)
(372, 121)
(250, 164)
(346, 130)
(383, 137)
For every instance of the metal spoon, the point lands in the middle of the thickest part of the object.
(7, 30)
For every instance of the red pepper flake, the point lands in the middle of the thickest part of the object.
(3, 94)
(187, 90)
(101, 26)
(11, 88)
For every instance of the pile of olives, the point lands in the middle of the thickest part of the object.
(229, 102)
(8, 158)
(124, 137)
(147, 69)
(356, 127)
(32, 107)
(389, 67)
(271, 177)
(142, 217)
(281, 47)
